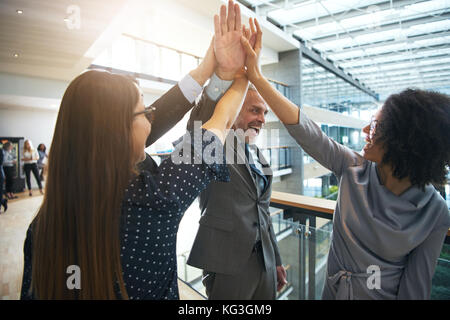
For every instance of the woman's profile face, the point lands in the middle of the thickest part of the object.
(372, 151)
(140, 130)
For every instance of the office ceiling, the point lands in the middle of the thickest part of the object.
(52, 39)
(387, 45)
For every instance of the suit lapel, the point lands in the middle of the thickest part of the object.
(241, 163)
(267, 170)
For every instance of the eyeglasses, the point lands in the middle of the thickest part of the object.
(149, 113)
(373, 126)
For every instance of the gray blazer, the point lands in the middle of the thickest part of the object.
(230, 215)
(170, 108)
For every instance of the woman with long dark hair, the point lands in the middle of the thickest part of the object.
(103, 217)
(390, 223)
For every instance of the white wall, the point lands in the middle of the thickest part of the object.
(36, 125)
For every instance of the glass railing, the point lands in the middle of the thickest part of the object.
(440, 289)
(191, 275)
(304, 241)
(303, 250)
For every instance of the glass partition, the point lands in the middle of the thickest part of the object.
(440, 289)
(323, 89)
(303, 250)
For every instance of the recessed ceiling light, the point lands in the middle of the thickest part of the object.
(15, 55)
(19, 11)
(66, 19)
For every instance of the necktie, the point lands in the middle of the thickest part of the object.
(255, 169)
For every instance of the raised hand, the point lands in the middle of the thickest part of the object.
(252, 43)
(249, 34)
(281, 277)
(285, 110)
(228, 49)
(204, 71)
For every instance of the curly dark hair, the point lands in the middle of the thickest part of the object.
(414, 128)
(41, 147)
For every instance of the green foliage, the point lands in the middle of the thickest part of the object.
(445, 253)
(441, 283)
(333, 189)
(441, 280)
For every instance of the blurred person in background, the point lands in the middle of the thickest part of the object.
(3, 201)
(42, 161)
(30, 158)
(9, 168)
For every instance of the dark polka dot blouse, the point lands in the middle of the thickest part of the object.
(152, 209)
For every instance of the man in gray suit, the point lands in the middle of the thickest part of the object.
(235, 245)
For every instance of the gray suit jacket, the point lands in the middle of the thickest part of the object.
(230, 215)
(170, 108)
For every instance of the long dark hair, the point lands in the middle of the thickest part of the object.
(90, 165)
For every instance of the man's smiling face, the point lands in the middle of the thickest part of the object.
(252, 116)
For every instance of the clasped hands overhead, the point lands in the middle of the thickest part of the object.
(235, 47)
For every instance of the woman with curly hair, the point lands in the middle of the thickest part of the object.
(389, 223)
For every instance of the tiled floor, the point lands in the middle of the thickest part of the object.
(13, 226)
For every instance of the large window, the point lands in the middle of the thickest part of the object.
(138, 55)
(323, 89)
